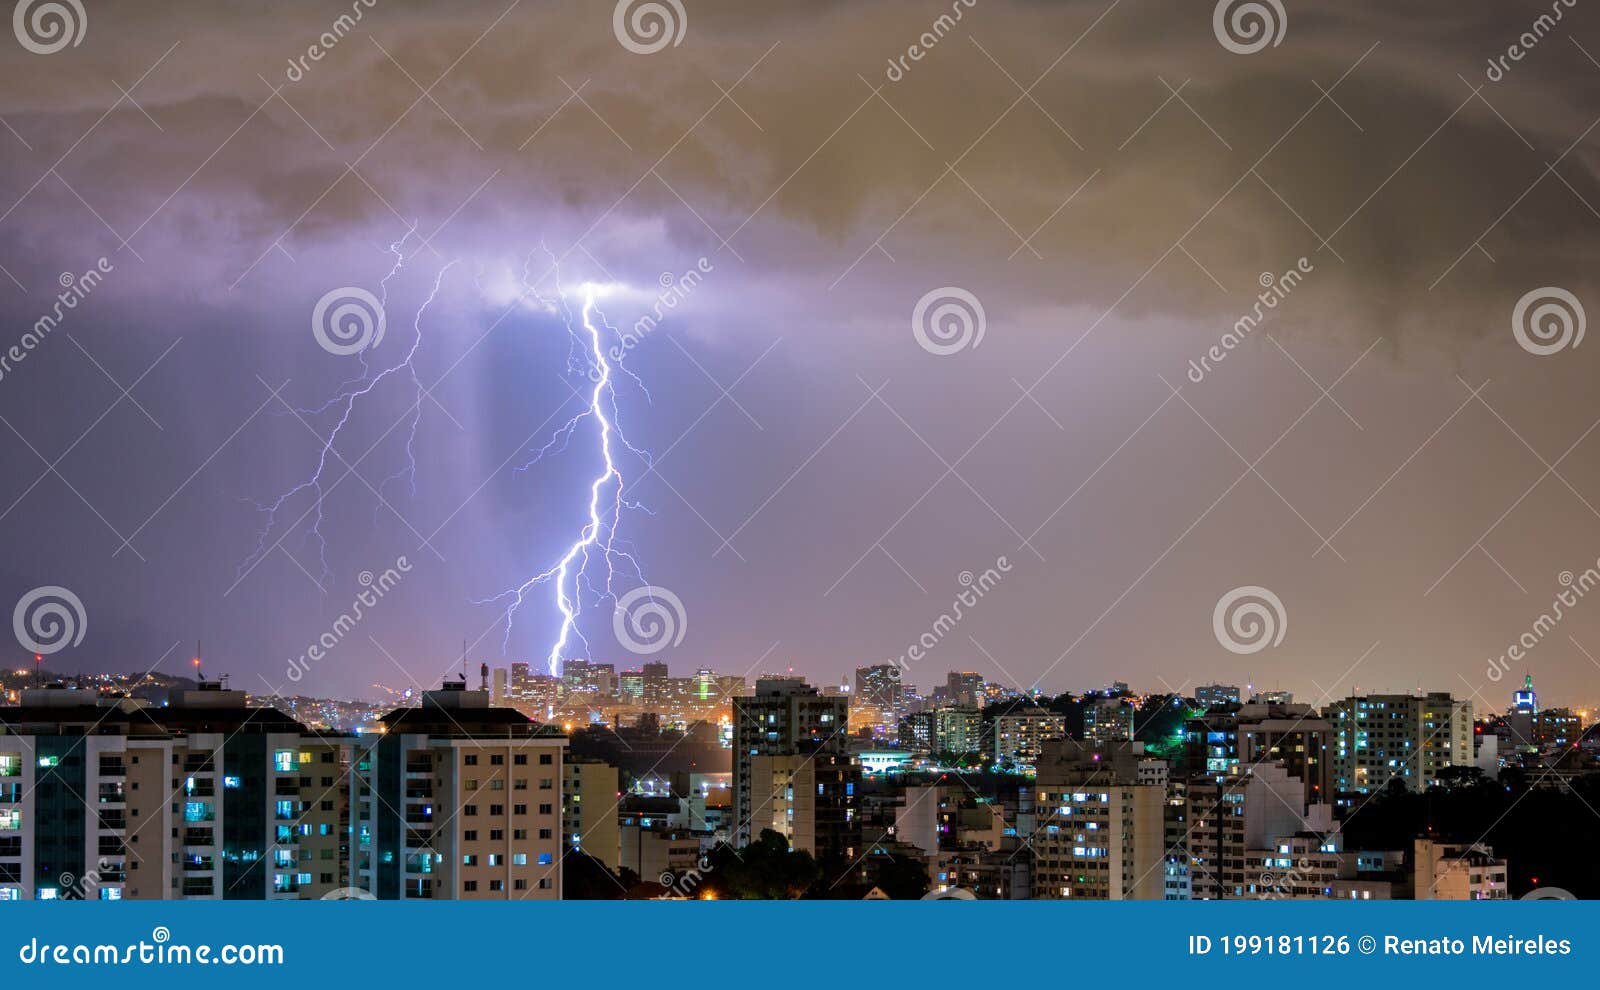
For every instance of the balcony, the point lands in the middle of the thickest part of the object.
(197, 837)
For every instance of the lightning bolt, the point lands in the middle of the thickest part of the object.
(598, 544)
(587, 571)
(343, 403)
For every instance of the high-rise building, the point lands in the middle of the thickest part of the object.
(964, 688)
(1107, 719)
(1293, 735)
(519, 679)
(655, 683)
(779, 734)
(809, 799)
(204, 798)
(1229, 816)
(1411, 738)
(1525, 700)
(1209, 696)
(1100, 822)
(879, 686)
(1531, 729)
(1019, 736)
(952, 730)
(502, 687)
(460, 800)
(590, 798)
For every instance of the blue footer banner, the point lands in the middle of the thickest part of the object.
(780, 944)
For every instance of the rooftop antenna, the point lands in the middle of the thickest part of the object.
(196, 660)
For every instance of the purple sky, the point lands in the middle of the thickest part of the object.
(1110, 182)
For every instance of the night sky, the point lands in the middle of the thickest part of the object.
(1113, 182)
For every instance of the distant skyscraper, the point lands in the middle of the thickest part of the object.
(965, 688)
(1209, 696)
(656, 688)
(1526, 701)
(879, 686)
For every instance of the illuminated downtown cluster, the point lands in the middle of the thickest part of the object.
(638, 783)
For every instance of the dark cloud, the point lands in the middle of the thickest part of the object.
(1426, 198)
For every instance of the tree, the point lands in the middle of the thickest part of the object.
(766, 869)
(901, 877)
(584, 878)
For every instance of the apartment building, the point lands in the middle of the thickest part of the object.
(203, 798)
(1100, 822)
(589, 802)
(458, 800)
(1410, 738)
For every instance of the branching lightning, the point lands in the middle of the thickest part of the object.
(343, 403)
(599, 543)
(587, 570)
